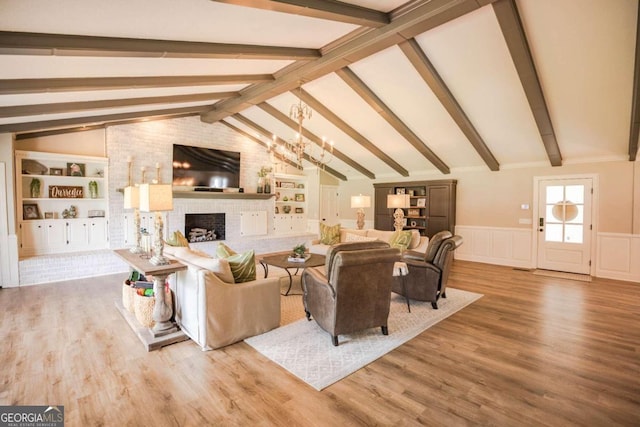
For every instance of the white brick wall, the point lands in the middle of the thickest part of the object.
(149, 143)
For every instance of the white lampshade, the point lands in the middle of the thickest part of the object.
(360, 201)
(131, 197)
(156, 197)
(398, 201)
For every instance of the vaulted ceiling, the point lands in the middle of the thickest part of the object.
(402, 88)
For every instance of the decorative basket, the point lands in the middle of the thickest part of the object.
(127, 297)
(143, 308)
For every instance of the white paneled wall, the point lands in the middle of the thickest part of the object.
(502, 246)
(617, 256)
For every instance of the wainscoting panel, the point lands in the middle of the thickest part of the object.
(618, 256)
(495, 245)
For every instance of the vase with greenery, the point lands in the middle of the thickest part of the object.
(93, 189)
(35, 188)
(264, 184)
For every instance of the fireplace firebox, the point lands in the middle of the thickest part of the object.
(204, 227)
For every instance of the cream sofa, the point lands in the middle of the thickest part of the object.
(418, 243)
(215, 313)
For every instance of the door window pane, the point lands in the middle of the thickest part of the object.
(553, 233)
(555, 194)
(575, 193)
(573, 233)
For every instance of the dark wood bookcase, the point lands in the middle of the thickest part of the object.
(433, 205)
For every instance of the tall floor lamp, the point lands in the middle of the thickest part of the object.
(157, 198)
(360, 202)
(398, 201)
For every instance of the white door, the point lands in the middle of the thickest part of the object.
(329, 213)
(564, 224)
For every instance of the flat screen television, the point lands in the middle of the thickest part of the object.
(200, 167)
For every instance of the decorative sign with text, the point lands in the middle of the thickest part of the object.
(66, 192)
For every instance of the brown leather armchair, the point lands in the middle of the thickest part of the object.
(428, 275)
(353, 290)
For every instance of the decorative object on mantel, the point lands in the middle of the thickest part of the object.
(157, 198)
(398, 201)
(70, 213)
(34, 186)
(301, 148)
(264, 184)
(360, 202)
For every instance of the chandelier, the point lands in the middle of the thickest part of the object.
(301, 148)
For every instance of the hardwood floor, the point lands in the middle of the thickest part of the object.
(533, 351)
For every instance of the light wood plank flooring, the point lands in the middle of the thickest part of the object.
(533, 351)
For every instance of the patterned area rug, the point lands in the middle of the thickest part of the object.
(563, 275)
(305, 350)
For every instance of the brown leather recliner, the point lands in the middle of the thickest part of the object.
(353, 290)
(428, 275)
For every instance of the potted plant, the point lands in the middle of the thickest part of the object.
(299, 251)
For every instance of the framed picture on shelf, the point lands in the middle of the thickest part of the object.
(48, 215)
(413, 212)
(299, 197)
(421, 203)
(400, 191)
(287, 185)
(30, 211)
(55, 171)
(299, 210)
(75, 169)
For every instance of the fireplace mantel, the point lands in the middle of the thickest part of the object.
(219, 195)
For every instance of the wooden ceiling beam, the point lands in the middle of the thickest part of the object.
(390, 117)
(270, 109)
(634, 132)
(321, 109)
(266, 134)
(511, 25)
(66, 107)
(20, 43)
(120, 118)
(19, 86)
(322, 9)
(407, 22)
(430, 75)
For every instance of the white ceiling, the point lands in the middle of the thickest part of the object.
(583, 51)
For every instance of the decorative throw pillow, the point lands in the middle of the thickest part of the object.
(350, 237)
(219, 267)
(329, 235)
(224, 251)
(243, 266)
(177, 239)
(400, 239)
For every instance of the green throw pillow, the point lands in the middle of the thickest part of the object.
(329, 235)
(177, 239)
(400, 239)
(243, 266)
(224, 251)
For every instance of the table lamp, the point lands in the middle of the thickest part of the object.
(157, 198)
(398, 201)
(132, 201)
(360, 202)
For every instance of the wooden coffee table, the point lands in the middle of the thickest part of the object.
(281, 260)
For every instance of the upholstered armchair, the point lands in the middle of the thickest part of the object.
(428, 275)
(353, 290)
